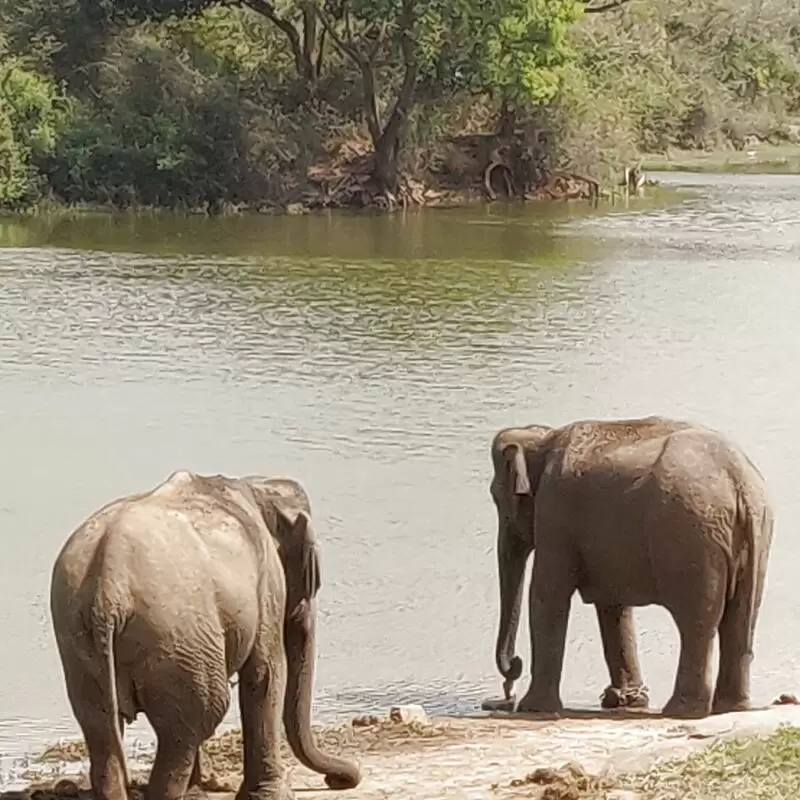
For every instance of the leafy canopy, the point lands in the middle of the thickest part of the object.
(514, 47)
(524, 47)
(517, 48)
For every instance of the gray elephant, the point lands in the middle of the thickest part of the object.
(631, 513)
(159, 598)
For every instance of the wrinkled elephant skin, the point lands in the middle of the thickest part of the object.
(631, 513)
(159, 598)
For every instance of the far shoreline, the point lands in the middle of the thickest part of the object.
(761, 158)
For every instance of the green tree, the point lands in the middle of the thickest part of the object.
(32, 114)
(516, 48)
(71, 34)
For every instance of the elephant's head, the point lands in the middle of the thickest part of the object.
(286, 511)
(519, 456)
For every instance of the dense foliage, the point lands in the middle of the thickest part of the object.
(193, 103)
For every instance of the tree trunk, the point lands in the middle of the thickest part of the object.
(387, 141)
(508, 120)
(384, 172)
(313, 47)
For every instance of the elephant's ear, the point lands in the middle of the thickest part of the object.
(518, 469)
(305, 557)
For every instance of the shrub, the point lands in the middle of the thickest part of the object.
(33, 113)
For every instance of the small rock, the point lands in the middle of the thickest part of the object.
(786, 700)
(365, 721)
(623, 794)
(409, 713)
(296, 208)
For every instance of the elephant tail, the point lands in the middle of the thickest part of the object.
(105, 628)
(755, 522)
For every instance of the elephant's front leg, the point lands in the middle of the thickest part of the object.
(552, 586)
(262, 688)
(618, 634)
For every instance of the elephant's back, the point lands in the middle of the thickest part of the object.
(704, 455)
(681, 475)
(637, 449)
(181, 544)
(150, 551)
(173, 570)
(79, 561)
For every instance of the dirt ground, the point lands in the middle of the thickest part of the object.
(486, 756)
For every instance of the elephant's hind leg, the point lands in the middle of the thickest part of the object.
(196, 778)
(736, 633)
(732, 692)
(90, 704)
(174, 762)
(698, 618)
(262, 688)
(184, 705)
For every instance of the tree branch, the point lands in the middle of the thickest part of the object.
(610, 6)
(346, 47)
(266, 9)
(366, 67)
(377, 33)
(310, 41)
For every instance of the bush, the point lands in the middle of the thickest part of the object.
(165, 133)
(33, 114)
(210, 110)
(689, 75)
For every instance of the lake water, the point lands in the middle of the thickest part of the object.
(374, 358)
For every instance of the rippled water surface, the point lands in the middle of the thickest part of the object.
(374, 358)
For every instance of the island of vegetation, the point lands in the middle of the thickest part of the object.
(259, 104)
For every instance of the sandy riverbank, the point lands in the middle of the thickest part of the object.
(475, 757)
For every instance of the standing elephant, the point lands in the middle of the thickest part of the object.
(158, 598)
(632, 513)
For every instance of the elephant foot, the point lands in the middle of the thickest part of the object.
(531, 704)
(274, 790)
(681, 708)
(726, 705)
(629, 697)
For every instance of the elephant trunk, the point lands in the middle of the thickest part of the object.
(512, 557)
(301, 653)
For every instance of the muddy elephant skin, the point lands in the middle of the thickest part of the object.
(632, 513)
(159, 598)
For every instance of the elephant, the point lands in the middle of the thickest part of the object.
(631, 512)
(158, 598)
